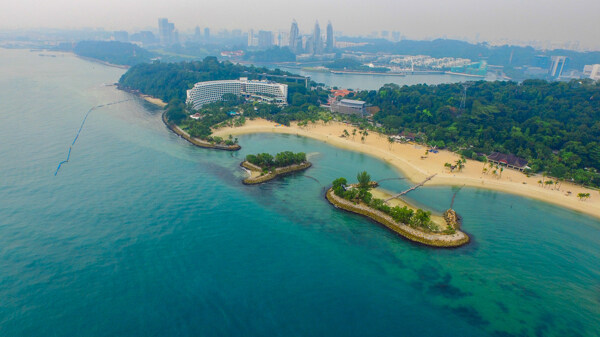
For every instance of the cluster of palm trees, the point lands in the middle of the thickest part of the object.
(494, 169)
(458, 165)
(363, 133)
(583, 196)
(549, 182)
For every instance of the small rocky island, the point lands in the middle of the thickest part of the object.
(414, 224)
(264, 167)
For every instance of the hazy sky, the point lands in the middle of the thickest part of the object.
(551, 20)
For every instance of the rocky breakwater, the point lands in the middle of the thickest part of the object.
(197, 141)
(259, 176)
(445, 239)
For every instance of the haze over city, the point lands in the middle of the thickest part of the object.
(492, 21)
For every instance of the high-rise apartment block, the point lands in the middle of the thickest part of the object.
(166, 32)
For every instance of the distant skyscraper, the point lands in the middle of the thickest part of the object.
(558, 64)
(329, 41)
(396, 36)
(206, 33)
(165, 31)
(251, 38)
(309, 47)
(265, 39)
(197, 34)
(317, 40)
(294, 37)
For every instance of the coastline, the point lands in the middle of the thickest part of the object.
(150, 99)
(406, 157)
(195, 141)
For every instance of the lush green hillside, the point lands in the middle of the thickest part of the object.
(555, 125)
(113, 52)
(169, 81)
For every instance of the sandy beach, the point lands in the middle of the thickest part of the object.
(407, 158)
(154, 100)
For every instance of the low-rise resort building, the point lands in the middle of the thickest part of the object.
(213, 91)
(349, 107)
(509, 160)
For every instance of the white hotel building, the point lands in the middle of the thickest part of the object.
(213, 91)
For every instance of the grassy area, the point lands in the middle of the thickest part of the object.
(380, 193)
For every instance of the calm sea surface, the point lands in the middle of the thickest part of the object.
(374, 82)
(142, 234)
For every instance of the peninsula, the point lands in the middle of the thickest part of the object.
(264, 167)
(414, 224)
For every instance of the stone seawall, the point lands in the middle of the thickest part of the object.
(196, 141)
(273, 174)
(430, 239)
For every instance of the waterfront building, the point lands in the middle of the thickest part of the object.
(557, 66)
(329, 40)
(349, 107)
(166, 32)
(508, 160)
(592, 71)
(213, 91)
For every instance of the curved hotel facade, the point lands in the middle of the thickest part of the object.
(213, 91)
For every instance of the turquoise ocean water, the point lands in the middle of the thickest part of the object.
(142, 234)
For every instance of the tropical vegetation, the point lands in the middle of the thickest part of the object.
(554, 125)
(281, 159)
(359, 193)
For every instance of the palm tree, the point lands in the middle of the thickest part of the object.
(460, 164)
(346, 134)
(353, 133)
(364, 179)
(448, 166)
(391, 142)
(483, 170)
(501, 169)
(549, 182)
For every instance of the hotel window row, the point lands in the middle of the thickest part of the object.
(213, 91)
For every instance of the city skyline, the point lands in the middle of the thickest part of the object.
(465, 19)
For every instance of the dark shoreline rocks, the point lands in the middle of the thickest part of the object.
(280, 171)
(429, 239)
(196, 141)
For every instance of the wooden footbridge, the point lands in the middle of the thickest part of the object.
(411, 189)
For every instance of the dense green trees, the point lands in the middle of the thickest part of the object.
(555, 125)
(113, 52)
(282, 159)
